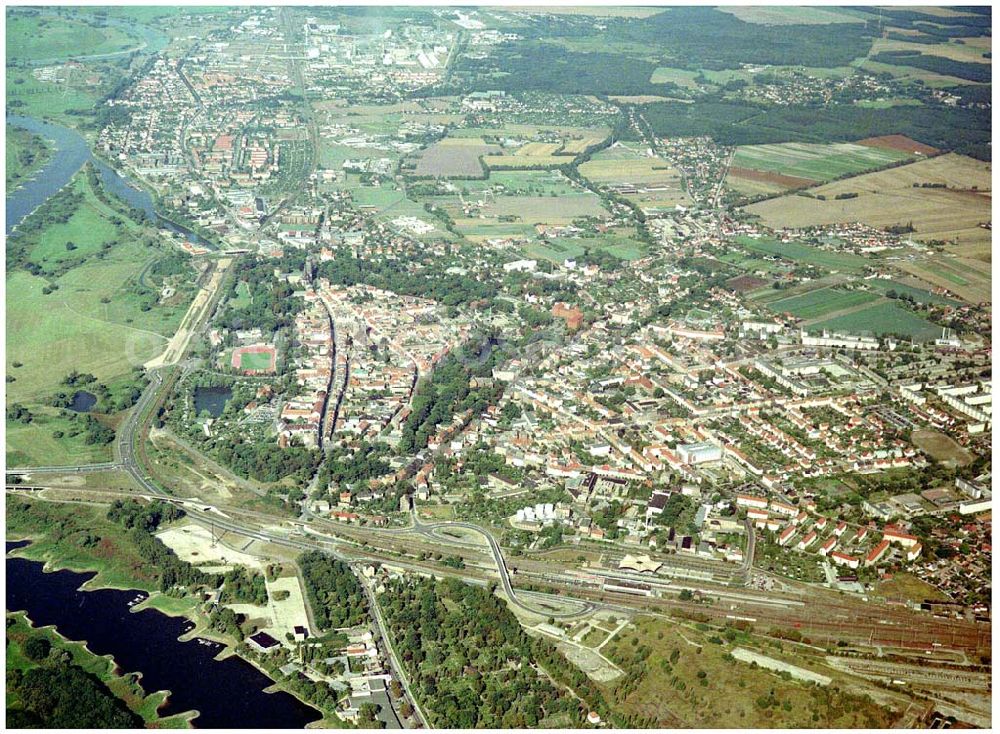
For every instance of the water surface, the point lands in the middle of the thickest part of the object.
(227, 693)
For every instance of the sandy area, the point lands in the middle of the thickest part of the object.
(193, 543)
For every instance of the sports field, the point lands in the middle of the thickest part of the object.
(254, 359)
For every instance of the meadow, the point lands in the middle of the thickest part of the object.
(26, 153)
(98, 320)
(31, 38)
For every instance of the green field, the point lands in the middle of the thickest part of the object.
(882, 318)
(28, 96)
(816, 303)
(99, 320)
(815, 161)
(805, 254)
(255, 361)
(37, 38)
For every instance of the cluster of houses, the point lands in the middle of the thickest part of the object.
(802, 530)
(302, 417)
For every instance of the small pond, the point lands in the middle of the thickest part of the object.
(212, 399)
(83, 401)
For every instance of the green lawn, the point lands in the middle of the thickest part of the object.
(805, 254)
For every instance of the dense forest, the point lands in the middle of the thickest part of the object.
(972, 71)
(689, 37)
(446, 288)
(271, 305)
(64, 696)
(744, 123)
(467, 658)
(334, 592)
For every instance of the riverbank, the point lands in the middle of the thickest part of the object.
(79, 539)
(147, 648)
(126, 687)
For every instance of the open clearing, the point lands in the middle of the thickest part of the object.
(940, 446)
(193, 543)
(689, 680)
(895, 197)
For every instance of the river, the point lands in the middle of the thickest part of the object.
(227, 693)
(71, 153)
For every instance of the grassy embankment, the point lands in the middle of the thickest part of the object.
(124, 687)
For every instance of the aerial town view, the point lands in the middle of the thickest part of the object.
(401, 367)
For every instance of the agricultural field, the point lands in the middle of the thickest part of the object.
(804, 164)
(791, 15)
(799, 253)
(37, 38)
(898, 197)
(652, 183)
(963, 52)
(969, 278)
(454, 158)
(820, 302)
(546, 153)
(920, 295)
(881, 318)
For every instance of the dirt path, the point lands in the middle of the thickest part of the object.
(199, 306)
